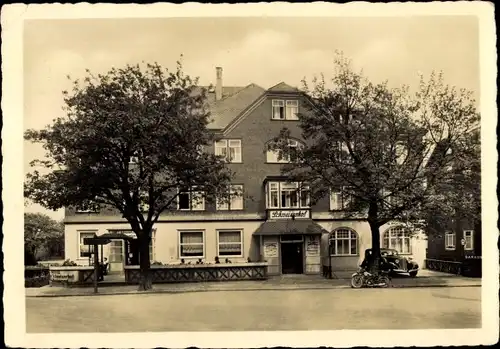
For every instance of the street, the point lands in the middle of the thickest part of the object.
(334, 309)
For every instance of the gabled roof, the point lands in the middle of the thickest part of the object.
(228, 108)
(283, 87)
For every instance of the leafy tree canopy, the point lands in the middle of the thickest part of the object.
(131, 138)
(40, 231)
(375, 143)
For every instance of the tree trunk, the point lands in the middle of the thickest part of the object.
(375, 230)
(145, 280)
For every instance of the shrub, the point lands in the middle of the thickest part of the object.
(69, 263)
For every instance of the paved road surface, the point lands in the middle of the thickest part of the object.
(413, 308)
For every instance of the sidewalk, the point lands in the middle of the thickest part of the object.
(280, 283)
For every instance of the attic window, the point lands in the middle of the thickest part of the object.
(285, 110)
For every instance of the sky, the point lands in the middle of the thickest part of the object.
(260, 50)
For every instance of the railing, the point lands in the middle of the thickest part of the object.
(451, 267)
(199, 272)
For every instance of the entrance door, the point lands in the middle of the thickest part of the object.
(116, 256)
(292, 261)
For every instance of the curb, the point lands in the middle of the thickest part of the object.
(121, 293)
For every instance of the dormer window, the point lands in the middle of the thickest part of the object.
(285, 109)
(230, 149)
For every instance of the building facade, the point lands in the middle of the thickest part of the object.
(271, 220)
(455, 245)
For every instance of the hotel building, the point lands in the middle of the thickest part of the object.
(272, 221)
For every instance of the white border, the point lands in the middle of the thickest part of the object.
(12, 106)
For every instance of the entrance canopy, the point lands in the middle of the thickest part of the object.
(106, 238)
(290, 227)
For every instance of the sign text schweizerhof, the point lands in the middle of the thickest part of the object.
(288, 214)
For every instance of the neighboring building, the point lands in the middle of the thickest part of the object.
(455, 244)
(271, 221)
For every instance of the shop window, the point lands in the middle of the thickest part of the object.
(398, 239)
(190, 200)
(230, 243)
(191, 244)
(343, 242)
(287, 195)
(234, 201)
(85, 251)
(230, 149)
(449, 240)
(469, 241)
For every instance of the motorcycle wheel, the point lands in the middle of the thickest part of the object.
(384, 280)
(357, 281)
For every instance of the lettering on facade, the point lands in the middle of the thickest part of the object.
(288, 214)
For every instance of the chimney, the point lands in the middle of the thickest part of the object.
(218, 85)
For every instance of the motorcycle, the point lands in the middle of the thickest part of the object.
(363, 278)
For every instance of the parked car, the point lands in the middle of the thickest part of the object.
(395, 263)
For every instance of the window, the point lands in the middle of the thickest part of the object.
(277, 156)
(449, 240)
(287, 195)
(278, 109)
(339, 200)
(85, 250)
(191, 200)
(235, 200)
(88, 207)
(469, 242)
(229, 149)
(400, 153)
(399, 239)
(292, 110)
(343, 242)
(343, 151)
(230, 243)
(285, 110)
(116, 251)
(191, 244)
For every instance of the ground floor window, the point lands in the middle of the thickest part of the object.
(399, 239)
(230, 243)
(343, 242)
(84, 251)
(468, 243)
(449, 240)
(191, 244)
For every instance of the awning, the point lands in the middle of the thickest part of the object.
(290, 227)
(106, 238)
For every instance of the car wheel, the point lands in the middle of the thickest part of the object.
(413, 274)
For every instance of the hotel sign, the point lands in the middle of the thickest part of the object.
(288, 214)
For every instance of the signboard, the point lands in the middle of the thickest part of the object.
(312, 246)
(270, 249)
(64, 275)
(287, 214)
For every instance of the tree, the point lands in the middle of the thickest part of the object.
(373, 143)
(40, 232)
(133, 139)
(459, 197)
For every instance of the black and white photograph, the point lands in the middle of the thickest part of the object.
(250, 175)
